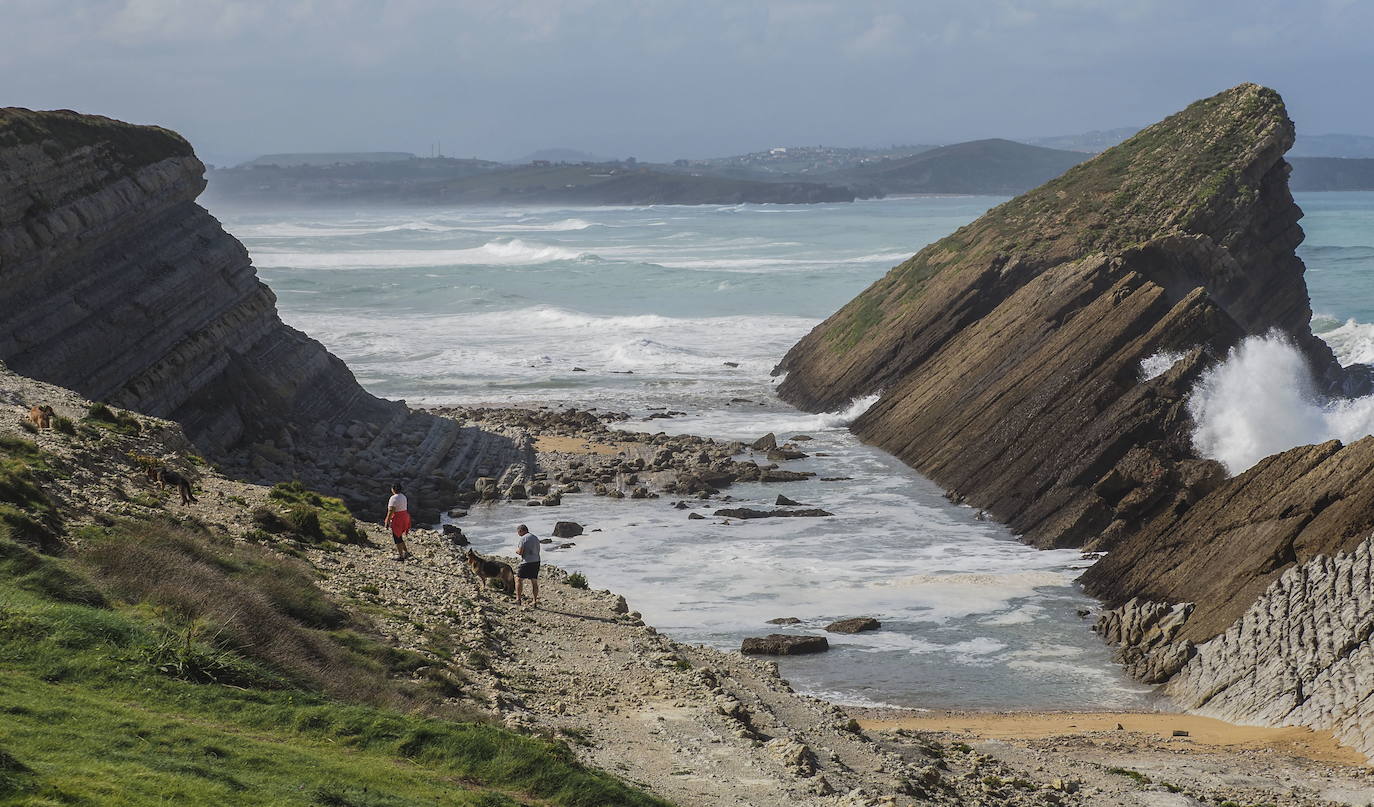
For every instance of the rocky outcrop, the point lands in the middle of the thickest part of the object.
(1302, 654)
(1224, 550)
(117, 285)
(1008, 362)
(1008, 355)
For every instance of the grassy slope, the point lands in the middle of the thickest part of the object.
(161, 698)
(1168, 177)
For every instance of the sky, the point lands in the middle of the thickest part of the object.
(663, 79)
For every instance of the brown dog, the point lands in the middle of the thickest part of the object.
(166, 476)
(41, 416)
(487, 568)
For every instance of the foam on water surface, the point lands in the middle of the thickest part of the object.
(690, 309)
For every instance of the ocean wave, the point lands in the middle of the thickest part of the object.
(1351, 341)
(511, 252)
(1260, 401)
(566, 225)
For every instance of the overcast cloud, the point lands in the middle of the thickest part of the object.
(665, 79)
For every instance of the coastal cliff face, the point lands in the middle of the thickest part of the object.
(116, 284)
(1008, 359)
(1008, 355)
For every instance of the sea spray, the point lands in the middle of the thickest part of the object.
(1260, 401)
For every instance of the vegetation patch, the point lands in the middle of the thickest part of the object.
(106, 418)
(307, 516)
(211, 671)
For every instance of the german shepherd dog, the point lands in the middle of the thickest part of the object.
(166, 476)
(487, 568)
(41, 416)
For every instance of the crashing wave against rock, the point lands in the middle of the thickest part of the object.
(1020, 366)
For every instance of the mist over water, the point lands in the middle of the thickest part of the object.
(690, 308)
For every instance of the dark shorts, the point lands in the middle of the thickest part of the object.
(528, 571)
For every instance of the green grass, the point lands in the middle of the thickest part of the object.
(308, 516)
(106, 418)
(156, 664)
(92, 714)
(1136, 776)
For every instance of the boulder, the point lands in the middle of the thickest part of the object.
(749, 512)
(567, 529)
(858, 624)
(455, 535)
(784, 620)
(784, 644)
(768, 442)
(783, 501)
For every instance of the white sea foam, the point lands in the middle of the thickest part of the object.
(512, 252)
(1260, 401)
(1352, 342)
(566, 225)
(1158, 364)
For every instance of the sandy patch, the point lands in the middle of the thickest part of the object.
(577, 445)
(1204, 733)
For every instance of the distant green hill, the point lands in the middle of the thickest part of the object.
(993, 166)
(1331, 174)
(446, 181)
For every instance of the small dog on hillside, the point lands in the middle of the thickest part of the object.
(41, 416)
(486, 568)
(166, 476)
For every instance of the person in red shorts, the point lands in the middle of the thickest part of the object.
(398, 519)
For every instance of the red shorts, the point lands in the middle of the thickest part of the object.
(400, 523)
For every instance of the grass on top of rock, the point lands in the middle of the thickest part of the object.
(119, 422)
(158, 659)
(307, 516)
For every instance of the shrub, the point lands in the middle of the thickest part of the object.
(64, 425)
(577, 580)
(27, 425)
(121, 422)
(304, 522)
(235, 598)
(267, 520)
(313, 517)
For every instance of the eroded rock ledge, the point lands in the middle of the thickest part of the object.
(115, 283)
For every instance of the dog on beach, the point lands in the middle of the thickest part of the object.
(166, 476)
(41, 416)
(486, 568)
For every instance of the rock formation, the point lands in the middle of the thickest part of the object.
(1008, 353)
(1303, 654)
(1008, 361)
(117, 285)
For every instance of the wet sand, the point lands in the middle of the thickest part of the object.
(1205, 734)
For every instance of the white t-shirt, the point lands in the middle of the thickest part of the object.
(397, 502)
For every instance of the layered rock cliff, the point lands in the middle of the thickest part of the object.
(1008, 354)
(116, 284)
(1008, 358)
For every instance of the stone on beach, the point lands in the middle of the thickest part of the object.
(784, 644)
(857, 624)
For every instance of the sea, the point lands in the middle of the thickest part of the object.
(688, 309)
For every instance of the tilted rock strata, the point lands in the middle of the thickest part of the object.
(117, 285)
(1008, 354)
(1224, 550)
(1303, 654)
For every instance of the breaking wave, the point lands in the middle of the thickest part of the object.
(1261, 400)
(512, 252)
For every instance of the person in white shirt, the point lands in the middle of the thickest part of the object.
(398, 519)
(528, 550)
